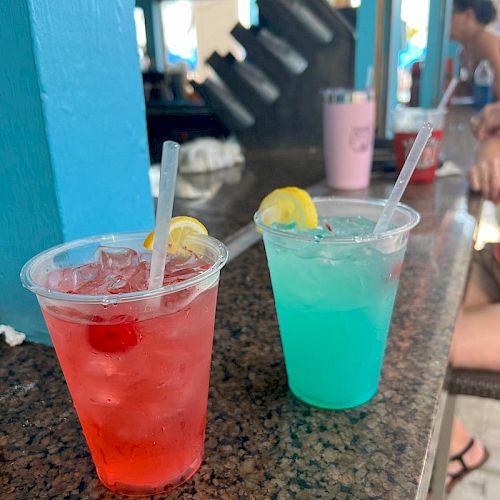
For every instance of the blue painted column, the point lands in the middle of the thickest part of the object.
(366, 32)
(454, 49)
(395, 44)
(391, 42)
(73, 147)
(432, 79)
(154, 35)
(254, 13)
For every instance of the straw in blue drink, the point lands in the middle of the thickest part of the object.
(404, 178)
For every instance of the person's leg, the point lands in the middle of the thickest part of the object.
(475, 296)
(475, 344)
(476, 341)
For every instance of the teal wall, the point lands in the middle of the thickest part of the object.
(152, 17)
(395, 45)
(73, 145)
(366, 19)
(432, 79)
(29, 216)
(454, 49)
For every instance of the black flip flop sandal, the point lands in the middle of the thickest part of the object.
(459, 457)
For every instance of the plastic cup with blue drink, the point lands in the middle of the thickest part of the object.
(334, 285)
(335, 266)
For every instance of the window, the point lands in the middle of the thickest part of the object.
(140, 31)
(179, 32)
(193, 29)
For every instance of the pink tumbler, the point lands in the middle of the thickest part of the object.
(348, 137)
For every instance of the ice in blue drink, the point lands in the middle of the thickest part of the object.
(334, 289)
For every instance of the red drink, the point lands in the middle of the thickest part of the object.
(137, 368)
(407, 123)
(429, 161)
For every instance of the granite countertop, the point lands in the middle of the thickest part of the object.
(261, 441)
(235, 193)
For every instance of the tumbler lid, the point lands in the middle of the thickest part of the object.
(348, 96)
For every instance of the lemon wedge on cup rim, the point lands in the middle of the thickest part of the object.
(181, 228)
(289, 205)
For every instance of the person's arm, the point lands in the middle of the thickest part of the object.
(484, 176)
(488, 47)
(486, 124)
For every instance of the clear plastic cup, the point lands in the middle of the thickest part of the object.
(407, 123)
(334, 298)
(137, 364)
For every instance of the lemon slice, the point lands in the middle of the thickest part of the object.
(180, 229)
(289, 205)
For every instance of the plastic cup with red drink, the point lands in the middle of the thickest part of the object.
(407, 123)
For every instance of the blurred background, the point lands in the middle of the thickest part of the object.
(209, 67)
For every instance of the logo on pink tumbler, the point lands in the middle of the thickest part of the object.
(360, 139)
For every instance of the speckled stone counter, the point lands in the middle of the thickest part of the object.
(233, 195)
(230, 197)
(261, 441)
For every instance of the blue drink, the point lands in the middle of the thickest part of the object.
(334, 289)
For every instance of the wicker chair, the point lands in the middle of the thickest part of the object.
(480, 383)
(483, 384)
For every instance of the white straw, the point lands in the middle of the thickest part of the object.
(449, 91)
(168, 174)
(404, 177)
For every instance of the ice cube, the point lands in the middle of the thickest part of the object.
(54, 279)
(180, 268)
(71, 279)
(140, 279)
(100, 367)
(118, 285)
(117, 258)
(179, 278)
(174, 302)
(85, 274)
(98, 285)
